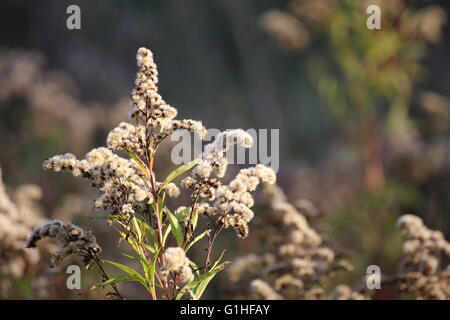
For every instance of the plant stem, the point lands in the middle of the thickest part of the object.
(104, 274)
(210, 246)
(188, 225)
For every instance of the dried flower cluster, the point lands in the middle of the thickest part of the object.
(232, 203)
(153, 115)
(214, 155)
(421, 273)
(296, 263)
(73, 239)
(178, 263)
(118, 179)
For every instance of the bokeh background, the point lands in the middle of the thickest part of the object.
(364, 115)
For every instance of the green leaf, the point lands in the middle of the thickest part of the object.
(149, 267)
(178, 171)
(123, 278)
(128, 270)
(150, 248)
(161, 205)
(129, 256)
(204, 283)
(152, 270)
(129, 240)
(166, 234)
(197, 238)
(195, 267)
(137, 228)
(158, 206)
(138, 161)
(194, 220)
(152, 244)
(218, 260)
(201, 282)
(176, 228)
(113, 217)
(183, 214)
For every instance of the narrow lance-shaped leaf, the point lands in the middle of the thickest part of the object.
(195, 267)
(202, 286)
(194, 220)
(198, 238)
(139, 162)
(152, 270)
(176, 228)
(111, 217)
(151, 242)
(128, 270)
(123, 278)
(137, 228)
(166, 234)
(201, 281)
(129, 240)
(178, 171)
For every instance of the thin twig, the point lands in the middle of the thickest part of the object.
(104, 274)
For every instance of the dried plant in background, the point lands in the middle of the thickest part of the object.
(24, 273)
(16, 219)
(296, 264)
(362, 70)
(52, 98)
(421, 272)
(393, 136)
(129, 187)
(42, 113)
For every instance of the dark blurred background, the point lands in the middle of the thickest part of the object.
(222, 62)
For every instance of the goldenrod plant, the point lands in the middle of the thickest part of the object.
(136, 196)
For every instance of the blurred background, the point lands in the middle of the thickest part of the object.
(364, 115)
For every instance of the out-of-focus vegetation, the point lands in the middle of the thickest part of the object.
(372, 82)
(364, 115)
